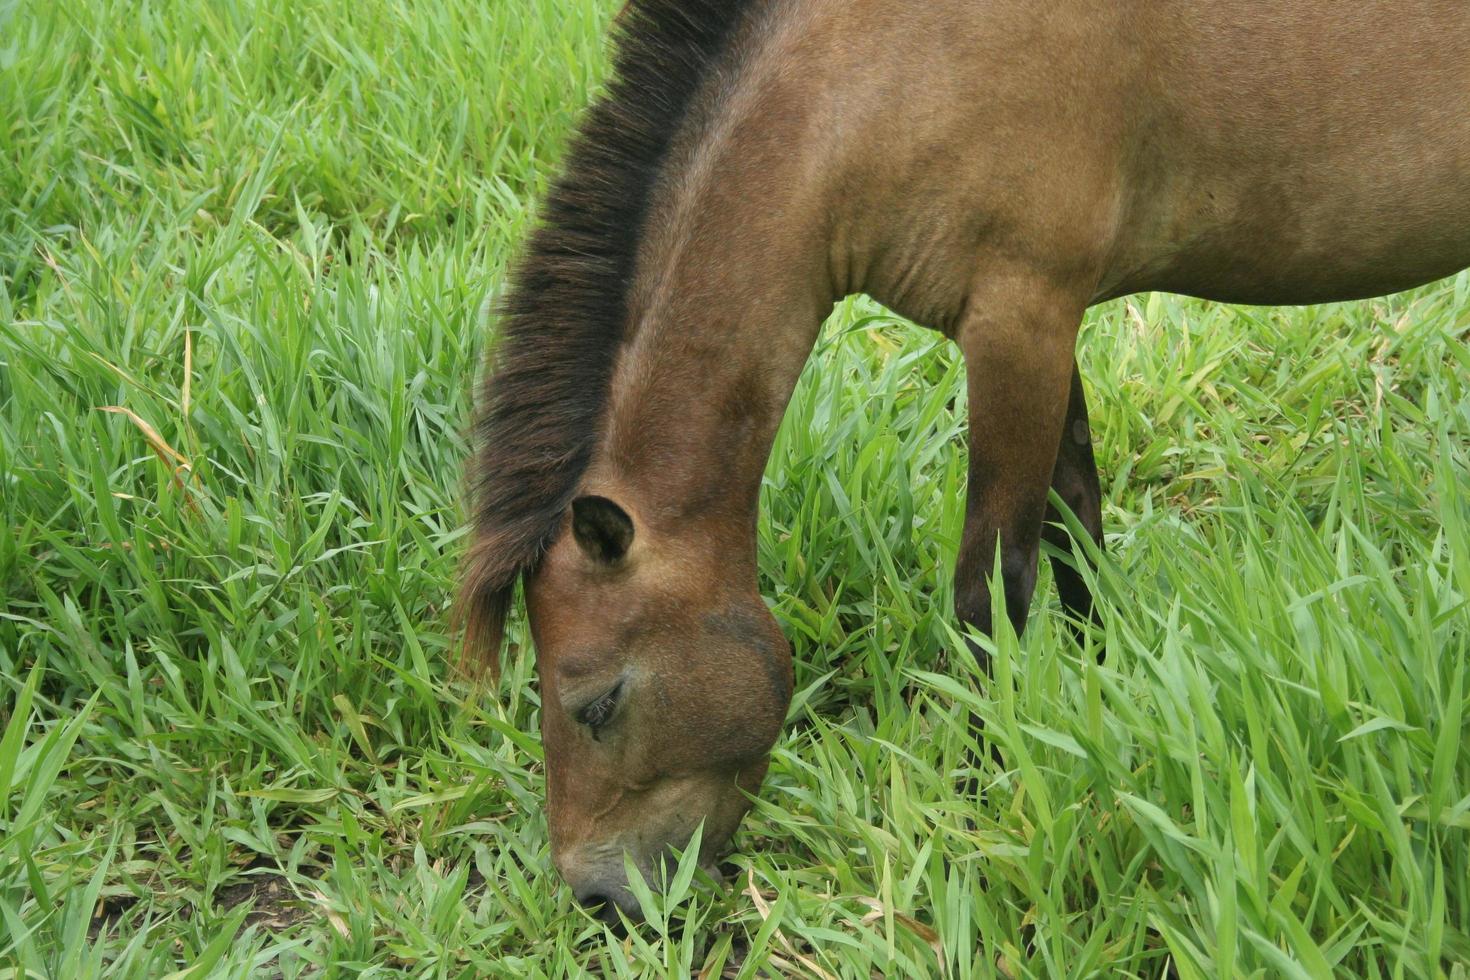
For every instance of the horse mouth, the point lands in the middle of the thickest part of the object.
(612, 904)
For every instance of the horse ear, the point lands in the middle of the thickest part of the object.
(603, 530)
(480, 611)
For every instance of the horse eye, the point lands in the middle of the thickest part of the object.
(596, 714)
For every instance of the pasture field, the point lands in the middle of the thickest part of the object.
(247, 251)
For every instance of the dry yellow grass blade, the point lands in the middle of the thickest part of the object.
(924, 932)
(160, 446)
(764, 908)
(158, 443)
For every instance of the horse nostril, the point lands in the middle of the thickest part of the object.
(601, 906)
(605, 902)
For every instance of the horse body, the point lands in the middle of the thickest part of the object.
(989, 169)
(1265, 152)
(1300, 152)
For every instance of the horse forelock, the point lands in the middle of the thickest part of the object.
(562, 321)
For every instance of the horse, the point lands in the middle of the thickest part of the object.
(986, 168)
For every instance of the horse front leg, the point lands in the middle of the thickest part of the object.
(1018, 338)
(1074, 478)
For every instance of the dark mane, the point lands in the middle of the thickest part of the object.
(562, 322)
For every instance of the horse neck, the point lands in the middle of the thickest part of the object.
(732, 283)
(701, 387)
(759, 223)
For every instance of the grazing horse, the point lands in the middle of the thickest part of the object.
(987, 168)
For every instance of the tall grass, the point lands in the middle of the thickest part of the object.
(245, 254)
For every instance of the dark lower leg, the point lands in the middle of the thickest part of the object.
(1019, 364)
(1074, 478)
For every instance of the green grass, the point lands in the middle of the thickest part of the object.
(230, 745)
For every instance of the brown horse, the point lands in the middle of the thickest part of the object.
(989, 168)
